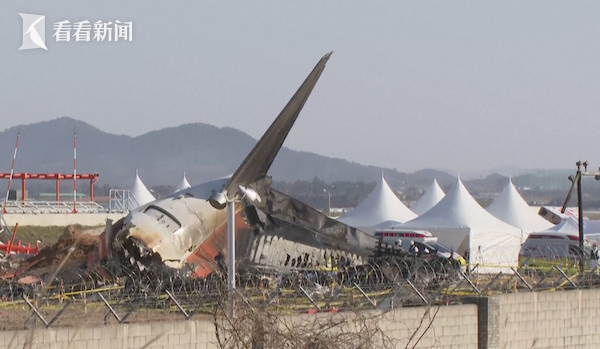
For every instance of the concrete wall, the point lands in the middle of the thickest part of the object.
(60, 219)
(173, 335)
(563, 319)
(453, 327)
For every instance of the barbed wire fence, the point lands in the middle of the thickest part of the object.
(117, 294)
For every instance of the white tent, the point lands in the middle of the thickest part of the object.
(140, 193)
(386, 225)
(379, 206)
(432, 196)
(462, 224)
(184, 184)
(510, 207)
(570, 225)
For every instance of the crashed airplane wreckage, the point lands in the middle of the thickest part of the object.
(188, 228)
(278, 239)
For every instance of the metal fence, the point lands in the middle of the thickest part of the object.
(35, 207)
(118, 294)
(122, 200)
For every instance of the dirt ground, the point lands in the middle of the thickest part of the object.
(46, 235)
(72, 247)
(79, 241)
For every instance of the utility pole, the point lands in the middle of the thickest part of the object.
(576, 181)
(580, 214)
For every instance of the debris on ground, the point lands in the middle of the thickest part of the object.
(83, 242)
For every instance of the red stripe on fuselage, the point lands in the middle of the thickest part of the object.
(204, 256)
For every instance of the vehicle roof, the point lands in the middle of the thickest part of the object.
(553, 237)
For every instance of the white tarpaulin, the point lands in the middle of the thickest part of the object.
(430, 198)
(462, 224)
(380, 205)
(140, 193)
(510, 207)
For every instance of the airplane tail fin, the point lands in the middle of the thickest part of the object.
(257, 163)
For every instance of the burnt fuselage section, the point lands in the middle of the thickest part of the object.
(170, 229)
(185, 230)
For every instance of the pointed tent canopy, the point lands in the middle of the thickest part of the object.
(184, 184)
(510, 207)
(381, 205)
(432, 196)
(568, 226)
(139, 191)
(458, 209)
(461, 223)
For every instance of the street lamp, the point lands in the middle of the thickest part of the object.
(220, 200)
(231, 254)
(328, 202)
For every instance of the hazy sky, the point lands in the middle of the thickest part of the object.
(456, 85)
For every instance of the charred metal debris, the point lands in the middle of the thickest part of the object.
(71, 265)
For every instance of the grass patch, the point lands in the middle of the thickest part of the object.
(47, 235)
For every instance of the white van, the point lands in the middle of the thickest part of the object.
(542, 251)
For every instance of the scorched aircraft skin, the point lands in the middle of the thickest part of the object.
(188, 228)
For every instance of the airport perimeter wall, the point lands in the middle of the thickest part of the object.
(562, 319)
(453, 327)
(60, 219)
